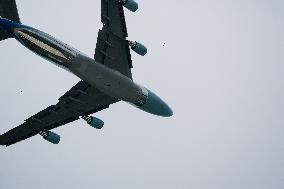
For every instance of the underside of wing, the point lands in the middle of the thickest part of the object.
(81, 100)
(112, 48)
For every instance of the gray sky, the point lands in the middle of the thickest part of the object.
(221, 70)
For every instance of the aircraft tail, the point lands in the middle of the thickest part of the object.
(8, 10)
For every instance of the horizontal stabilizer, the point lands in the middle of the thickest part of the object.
(8, 10)
(4, 35)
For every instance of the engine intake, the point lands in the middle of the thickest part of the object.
(94, 122)
(138, 48)
(130, 5)
(50, 136)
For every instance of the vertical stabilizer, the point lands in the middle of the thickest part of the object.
(8, 10)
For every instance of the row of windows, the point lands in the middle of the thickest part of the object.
(46, 46)
(42, 45)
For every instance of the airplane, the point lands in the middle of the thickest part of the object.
(105, 79)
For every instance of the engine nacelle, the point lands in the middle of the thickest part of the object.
(130, 5)
(94, 122)
(138, 48)
(50, 136)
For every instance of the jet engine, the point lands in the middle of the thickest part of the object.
(138, 48)
(94, 122)
(130, 5)
(50, 136)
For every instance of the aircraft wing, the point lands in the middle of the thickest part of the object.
(8, 9)
(82, 99)
(112, 48)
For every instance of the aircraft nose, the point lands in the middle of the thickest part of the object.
(156, 105)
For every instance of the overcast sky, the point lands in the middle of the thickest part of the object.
(221, 70)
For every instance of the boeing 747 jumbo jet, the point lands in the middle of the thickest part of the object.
(106, 79)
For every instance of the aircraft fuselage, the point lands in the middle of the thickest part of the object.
(108, 81)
